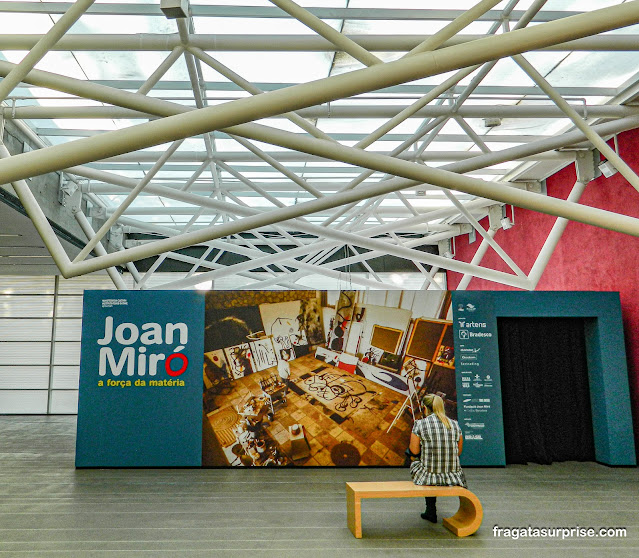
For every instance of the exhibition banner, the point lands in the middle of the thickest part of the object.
(140, 379)
(314, 378)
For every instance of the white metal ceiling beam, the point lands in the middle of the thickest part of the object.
(198, 10)
(253, 90)
(579, 122)
(491, 242)
(260, 259)
(226, 90)
(562, 140)
(443, 178)
(284, 43)
(99, 249)
(295, 157)
(351, 111)
(324, 30)
(313, 93)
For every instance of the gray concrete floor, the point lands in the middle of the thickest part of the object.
(48, 508)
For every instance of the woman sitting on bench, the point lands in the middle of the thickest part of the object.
(435, 446)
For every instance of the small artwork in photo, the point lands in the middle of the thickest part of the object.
(240, 360)
(329, 357)
(215, 367)
(415, 369)
(372, 355)
(287, 334)
(445, 355)
(263, 354)
(310, 320)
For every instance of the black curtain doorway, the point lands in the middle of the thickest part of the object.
(545, 392)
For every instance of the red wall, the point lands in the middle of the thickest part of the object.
(587, 258)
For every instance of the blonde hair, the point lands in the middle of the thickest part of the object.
(435, 404)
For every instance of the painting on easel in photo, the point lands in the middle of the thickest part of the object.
(322, 378)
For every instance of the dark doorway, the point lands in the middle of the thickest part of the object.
(545, 391)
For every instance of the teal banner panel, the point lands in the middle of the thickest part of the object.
(479, 408)
(140, 400)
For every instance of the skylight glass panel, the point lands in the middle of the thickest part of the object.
(63, 62)
(23, 23)
(255, 26)
(595, 69)
(278, 67)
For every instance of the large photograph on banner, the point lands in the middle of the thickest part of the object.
(321, 378)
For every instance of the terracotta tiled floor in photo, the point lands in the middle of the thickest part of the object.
(364, 428)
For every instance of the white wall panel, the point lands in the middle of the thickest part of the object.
(93, 281)
(15, 306)
(69, 307)
(64, 402)
(32, 329)
(15, 352)
(24, 377)
(68, 329)
(65, 377)
(18, 284)
(66, 353)
(20, 402)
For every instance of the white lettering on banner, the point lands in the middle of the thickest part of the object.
(136, 360)
(152, 335)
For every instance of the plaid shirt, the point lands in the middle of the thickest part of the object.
(438, 464)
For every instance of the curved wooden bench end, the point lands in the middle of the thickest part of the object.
(468, 517)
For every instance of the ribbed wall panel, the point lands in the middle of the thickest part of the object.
(68, 329)
(69, 307)
(94, 281)
(16, 306)
(64, 402)
(27, 329)
(24, 377)
(65, 377)
(23, 402)
(66, 353)
(23, 353)
(20, 284)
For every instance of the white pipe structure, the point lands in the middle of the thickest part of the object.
(38, 77)
(478, 256)
(253, 90)
(592, 136)
(284, 43)
(37, 52)
(93, 241)
(284, 257)
(49, 236)
(324, 30)
(38, 218)
(500, 251)
(439, 177)
(99, 249)
(553, 238)
(308, 94)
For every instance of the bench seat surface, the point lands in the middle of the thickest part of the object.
(465, 522)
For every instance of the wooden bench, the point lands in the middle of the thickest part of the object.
(465, 522)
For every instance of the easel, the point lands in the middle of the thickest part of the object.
(412, 399)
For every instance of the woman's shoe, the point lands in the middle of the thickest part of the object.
(429, 516)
